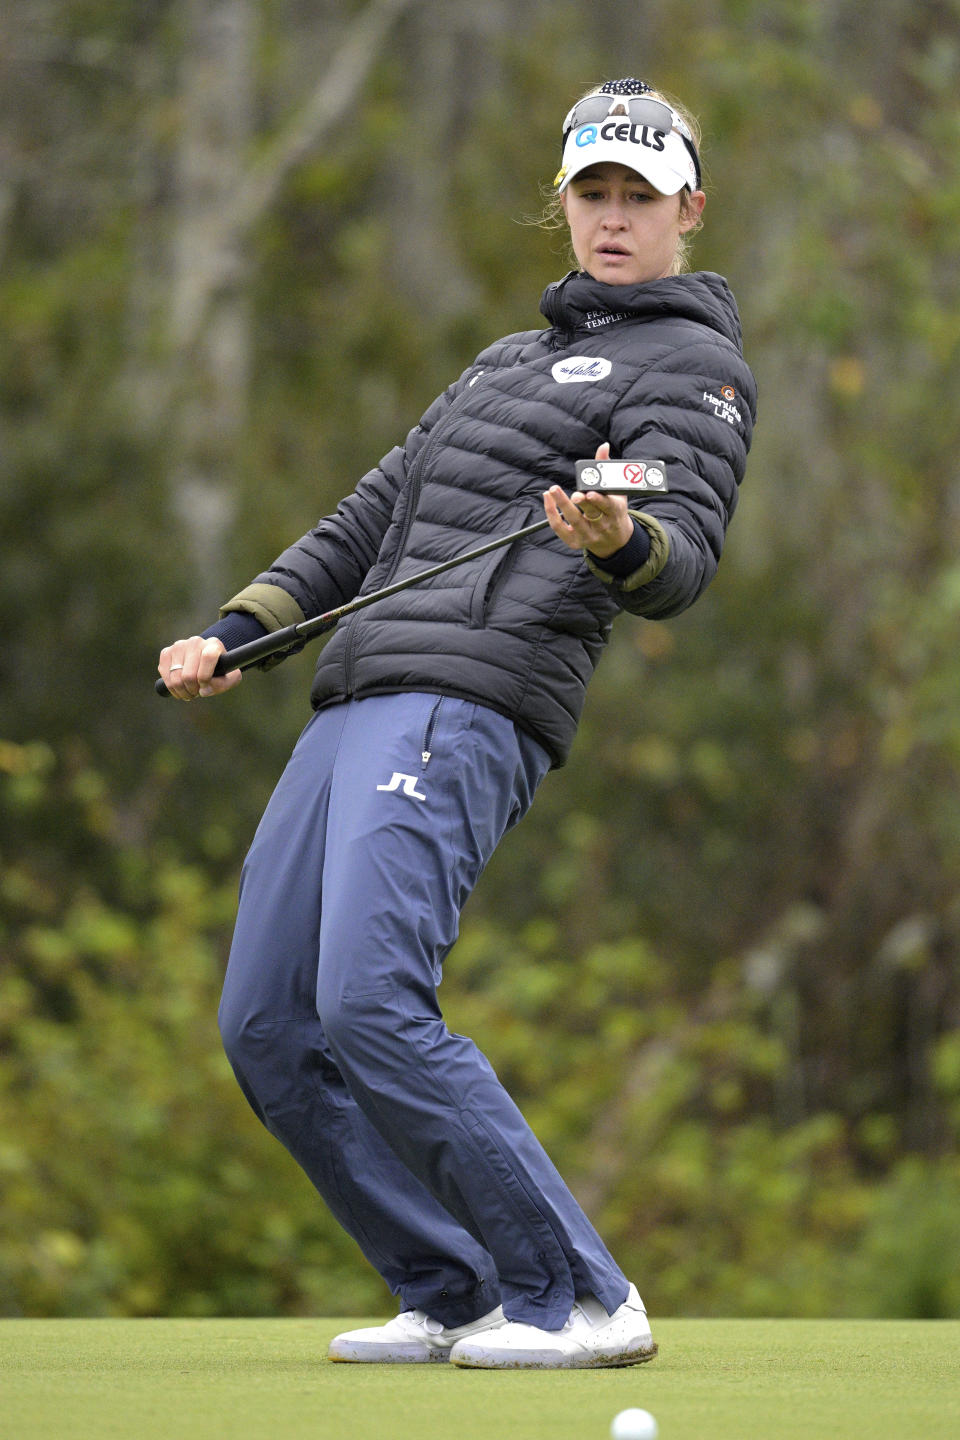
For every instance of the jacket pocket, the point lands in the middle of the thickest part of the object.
(489, 583)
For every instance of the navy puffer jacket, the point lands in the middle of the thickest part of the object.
(522, 629)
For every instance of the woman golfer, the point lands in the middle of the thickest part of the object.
(436, 715)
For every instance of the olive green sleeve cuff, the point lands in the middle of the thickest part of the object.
(651, 567)
(270, 604)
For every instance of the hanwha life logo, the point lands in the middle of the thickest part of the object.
(723, 405)
(581, 369)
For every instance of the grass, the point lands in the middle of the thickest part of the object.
(269, 1380)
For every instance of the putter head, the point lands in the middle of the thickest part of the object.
(622, 477)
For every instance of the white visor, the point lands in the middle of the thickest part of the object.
(660, 157)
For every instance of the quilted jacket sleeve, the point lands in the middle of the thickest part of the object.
(693, 409)
(328, 565)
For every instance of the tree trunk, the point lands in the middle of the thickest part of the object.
(209, 270)
(219, 197)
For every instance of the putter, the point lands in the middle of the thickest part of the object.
(616, 477)
(292, 638)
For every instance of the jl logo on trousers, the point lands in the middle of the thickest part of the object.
(406, 783)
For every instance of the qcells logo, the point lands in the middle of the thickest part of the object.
(624, 132)
(578, 369)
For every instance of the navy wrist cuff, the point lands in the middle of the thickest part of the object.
(235, 629)
(630, 557)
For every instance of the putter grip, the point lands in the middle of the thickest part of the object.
(285, 642)
(219, 669)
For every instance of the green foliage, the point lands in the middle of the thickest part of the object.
(134, 1179)
(669, 1120)
(136, 1182)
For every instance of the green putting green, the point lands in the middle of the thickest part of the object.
(270, 1380)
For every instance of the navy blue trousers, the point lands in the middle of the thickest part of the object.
(350, 900)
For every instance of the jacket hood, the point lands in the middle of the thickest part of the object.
(579, 304)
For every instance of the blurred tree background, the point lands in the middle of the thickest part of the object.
(244, 243)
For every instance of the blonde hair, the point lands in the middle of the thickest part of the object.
(553, 217)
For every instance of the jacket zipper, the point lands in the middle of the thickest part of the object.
(416, 475)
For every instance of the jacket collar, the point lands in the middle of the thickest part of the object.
(579, 305)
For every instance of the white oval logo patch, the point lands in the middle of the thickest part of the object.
(578, 369)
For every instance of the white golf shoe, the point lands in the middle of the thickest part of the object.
(591, 1339)
(411, 1338)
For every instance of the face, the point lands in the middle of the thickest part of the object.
(623, 231)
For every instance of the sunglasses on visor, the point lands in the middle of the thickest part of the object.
(639, 110)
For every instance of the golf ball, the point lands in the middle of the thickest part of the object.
(633, 1425)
